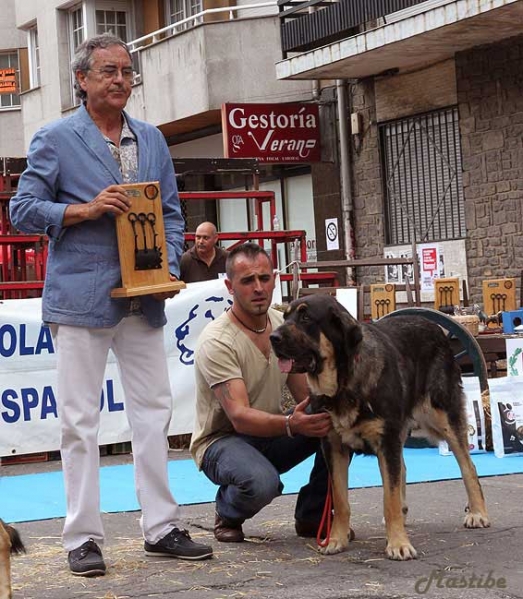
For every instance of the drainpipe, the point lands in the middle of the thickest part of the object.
(345, 175)
(315, 82)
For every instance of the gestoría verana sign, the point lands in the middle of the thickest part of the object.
(272, 132)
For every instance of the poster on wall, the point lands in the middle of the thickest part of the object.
(399, 273)
(431, 263)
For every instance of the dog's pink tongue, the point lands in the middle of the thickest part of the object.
(285, 364)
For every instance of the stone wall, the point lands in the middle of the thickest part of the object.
(367, 183)
(490, 98)
(326, 182)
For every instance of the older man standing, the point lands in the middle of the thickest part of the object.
(205, 260)
(72, 190)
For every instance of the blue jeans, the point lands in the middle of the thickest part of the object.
(248, 469)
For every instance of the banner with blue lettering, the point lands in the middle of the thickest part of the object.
(28, 413)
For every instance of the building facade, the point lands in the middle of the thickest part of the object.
(189, 59)
(435, 109)
(421, 111)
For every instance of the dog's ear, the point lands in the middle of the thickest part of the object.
(351, 336)
(348, 327)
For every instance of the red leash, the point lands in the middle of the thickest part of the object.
(326, 518)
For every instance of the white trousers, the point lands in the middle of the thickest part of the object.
(81, 361)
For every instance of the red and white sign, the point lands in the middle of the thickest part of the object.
(430, 259)
(272, 132)
(8, 81)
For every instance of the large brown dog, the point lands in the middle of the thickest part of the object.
(375, 380)
(10, 542)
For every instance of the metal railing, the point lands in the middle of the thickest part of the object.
(183, 25)
(192, 21)
(307, 25)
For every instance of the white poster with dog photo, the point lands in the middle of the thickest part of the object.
(506, 404)
(475, 418)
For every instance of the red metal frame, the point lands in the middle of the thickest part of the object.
(260, 235)
(327, 278)
(260, 196)
(5, 225)
(16, 250)
(275, 237)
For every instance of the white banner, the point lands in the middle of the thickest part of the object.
(28, 414)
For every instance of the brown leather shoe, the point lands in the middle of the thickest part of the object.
(309, 530)
(226, 531)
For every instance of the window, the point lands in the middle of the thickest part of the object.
(115, 17)
(181, 9)
(34, 57)
(9, 72)
(421, 158)
(112, 21)
(94, 17)
(77, 36)
(77, 27)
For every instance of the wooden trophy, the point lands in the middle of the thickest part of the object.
(446, 294)
(382, 299)
(141, 244)
(499, 295)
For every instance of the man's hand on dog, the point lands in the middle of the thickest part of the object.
(310, 425)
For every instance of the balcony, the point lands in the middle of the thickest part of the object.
(306, 25)
(189, 69)
(353, 39)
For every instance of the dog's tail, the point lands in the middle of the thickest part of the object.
(17, 545)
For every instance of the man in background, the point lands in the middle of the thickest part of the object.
(205, 260)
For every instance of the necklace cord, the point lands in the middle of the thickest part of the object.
(257, 331)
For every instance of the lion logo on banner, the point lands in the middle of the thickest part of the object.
(189, 330)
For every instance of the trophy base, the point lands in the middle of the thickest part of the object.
(147, 289)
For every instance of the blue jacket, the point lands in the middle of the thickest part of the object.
(69, 163)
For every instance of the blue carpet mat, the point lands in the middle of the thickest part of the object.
(41, 496)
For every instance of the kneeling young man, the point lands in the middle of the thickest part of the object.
(242, 440)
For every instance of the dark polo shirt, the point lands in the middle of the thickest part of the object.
(192, 269)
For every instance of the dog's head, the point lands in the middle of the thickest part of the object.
(318, 337)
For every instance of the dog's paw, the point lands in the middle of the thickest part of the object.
(476, 520)
(334, 546)
(401, 551)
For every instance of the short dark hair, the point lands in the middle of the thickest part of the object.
(82, 60)
(249, 250)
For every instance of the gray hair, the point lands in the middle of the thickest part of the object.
(82, 60)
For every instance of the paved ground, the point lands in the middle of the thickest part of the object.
(275, 563)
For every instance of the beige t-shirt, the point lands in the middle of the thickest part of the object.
(224, 352)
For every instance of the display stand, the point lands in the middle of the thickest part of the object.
(141, 244)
